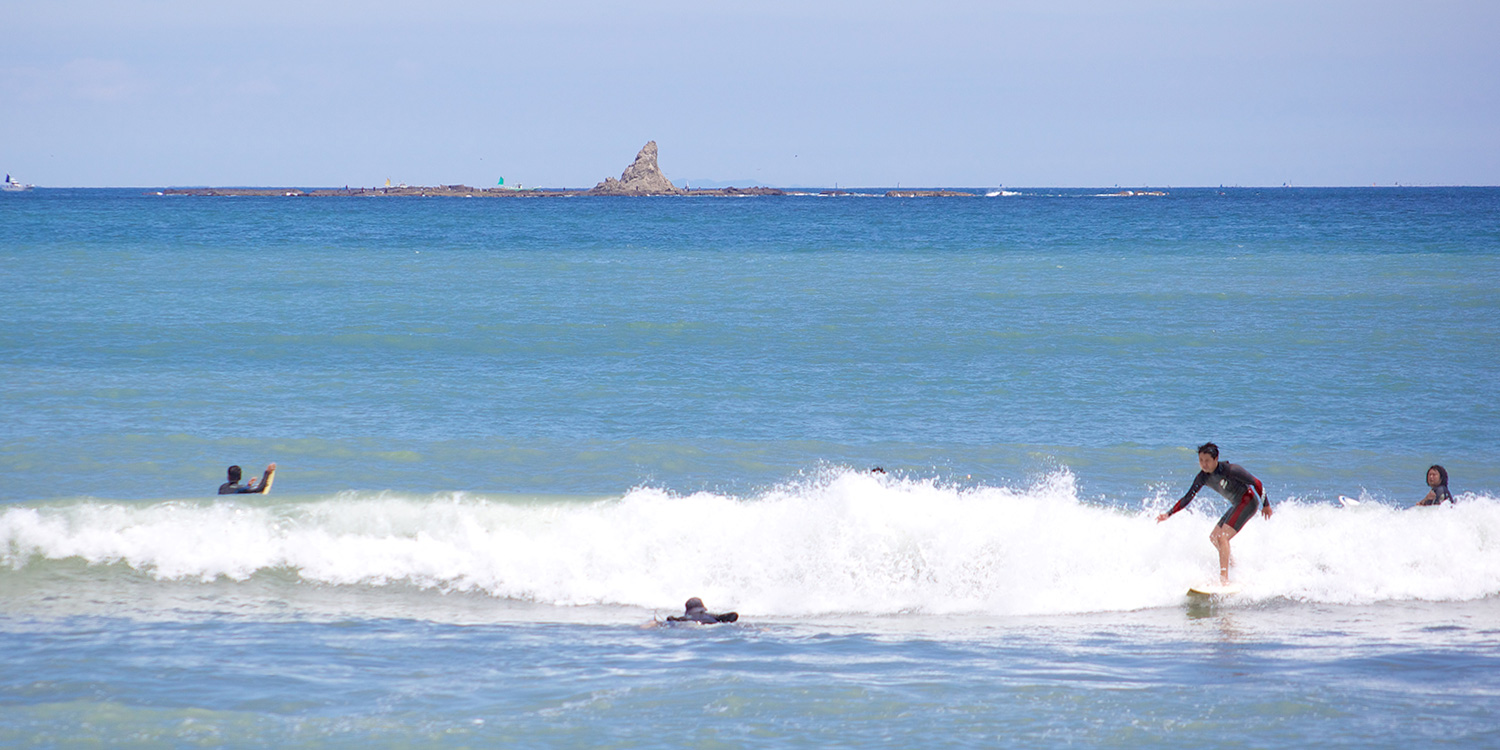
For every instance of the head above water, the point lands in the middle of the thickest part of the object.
(234, 473)
(695, 604)
(1436, 476)
(1208, 457)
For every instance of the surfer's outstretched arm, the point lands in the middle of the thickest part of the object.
(265, 479)
(1188, 498)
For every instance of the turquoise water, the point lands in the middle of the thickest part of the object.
(510, 432)
(1333, 340)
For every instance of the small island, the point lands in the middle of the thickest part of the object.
(642, 178)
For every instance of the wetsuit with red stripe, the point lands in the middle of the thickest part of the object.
(1236, 485)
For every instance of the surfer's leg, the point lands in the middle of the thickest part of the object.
(1229, 525)
(1219, 538)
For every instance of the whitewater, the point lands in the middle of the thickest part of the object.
(848, 543)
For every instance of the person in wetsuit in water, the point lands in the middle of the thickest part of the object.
(696, 612)
(1234, 483)
(1437, 479)
(232, 487)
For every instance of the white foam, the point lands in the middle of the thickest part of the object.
(849, 542)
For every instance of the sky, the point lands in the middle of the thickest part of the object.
(562, 93)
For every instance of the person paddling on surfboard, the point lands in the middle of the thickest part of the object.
(232, 487)
(696, 612)
(1437, 479)
(1234, 483)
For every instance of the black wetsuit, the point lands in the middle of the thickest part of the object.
(1440, 495)
(234, 488)
(1236, 485)
(704, 616)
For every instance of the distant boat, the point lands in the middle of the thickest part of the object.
(11, 186)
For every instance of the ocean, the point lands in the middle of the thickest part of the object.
(514, 434)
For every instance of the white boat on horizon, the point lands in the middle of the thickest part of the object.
(11, 186)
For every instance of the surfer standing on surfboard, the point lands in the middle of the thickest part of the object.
(1236, 485)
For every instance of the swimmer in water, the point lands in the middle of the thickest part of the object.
(232, 487)
(1238, 486)
(696, 612)
(1437, 479)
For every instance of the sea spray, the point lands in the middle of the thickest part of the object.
(845, 542)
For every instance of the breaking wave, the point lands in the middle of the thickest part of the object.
(848, 542)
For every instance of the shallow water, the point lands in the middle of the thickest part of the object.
(1270, 674)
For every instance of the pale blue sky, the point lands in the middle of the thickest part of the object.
(563, 93)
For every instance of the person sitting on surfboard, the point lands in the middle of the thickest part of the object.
(1234, 483)
(696, 612)
(232, 487)
(1437, 479)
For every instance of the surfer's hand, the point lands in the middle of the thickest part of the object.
(1265, 510)
(271, 466)
(1161, 518)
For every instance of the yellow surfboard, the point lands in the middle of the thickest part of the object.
(1214, 589)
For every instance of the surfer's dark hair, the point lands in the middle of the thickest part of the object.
(1442, 474)
(234, 473)
(1210, 449)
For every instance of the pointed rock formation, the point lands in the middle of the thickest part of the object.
(642, 177)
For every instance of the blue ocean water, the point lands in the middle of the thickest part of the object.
(510, 432)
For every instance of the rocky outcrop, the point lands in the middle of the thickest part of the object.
(928, 194)
(244, 192)
(734, 191)
(642, 177)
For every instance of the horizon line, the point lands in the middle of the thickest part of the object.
(807, 187)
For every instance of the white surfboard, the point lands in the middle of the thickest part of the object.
(1347, 502)
(1214, 589)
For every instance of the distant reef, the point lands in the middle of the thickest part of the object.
(930, 194)
(642, 178)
